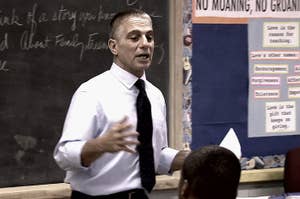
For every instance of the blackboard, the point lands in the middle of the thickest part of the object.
(48, 48)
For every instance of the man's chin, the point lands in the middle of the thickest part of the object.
(144, 66)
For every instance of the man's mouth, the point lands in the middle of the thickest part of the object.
(144, 56)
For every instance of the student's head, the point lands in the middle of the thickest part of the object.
(132, 40)
(210, 172)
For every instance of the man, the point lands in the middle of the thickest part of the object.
(210, 172)
(101, 146)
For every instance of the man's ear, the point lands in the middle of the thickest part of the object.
(112, 46)
(184, 192)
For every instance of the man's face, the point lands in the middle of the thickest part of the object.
(134, 44)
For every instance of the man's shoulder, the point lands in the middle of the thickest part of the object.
(96, 82)
(154, 89)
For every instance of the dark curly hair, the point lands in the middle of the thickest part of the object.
(117, 19)
(212, 172)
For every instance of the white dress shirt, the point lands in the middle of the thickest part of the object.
(95, 106)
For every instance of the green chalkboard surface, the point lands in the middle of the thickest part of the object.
(47, 49)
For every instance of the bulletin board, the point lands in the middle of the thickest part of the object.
(246, 60)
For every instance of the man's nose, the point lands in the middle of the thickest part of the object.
(145, 42)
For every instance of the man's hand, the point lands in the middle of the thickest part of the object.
(179, 160)
(116, 138)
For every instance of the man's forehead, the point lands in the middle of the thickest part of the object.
(137, 23)
(137, 19)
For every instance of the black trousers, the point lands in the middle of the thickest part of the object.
(130, 194)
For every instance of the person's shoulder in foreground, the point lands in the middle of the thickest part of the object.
(210, 172)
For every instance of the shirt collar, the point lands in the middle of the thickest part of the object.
(124, 76)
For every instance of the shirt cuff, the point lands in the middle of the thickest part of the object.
(72, 155)
(165, 161)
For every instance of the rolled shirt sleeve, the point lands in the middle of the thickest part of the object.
(165, 160)
(68, 155)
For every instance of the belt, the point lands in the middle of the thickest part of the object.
(130, 194)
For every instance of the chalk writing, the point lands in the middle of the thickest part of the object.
(65, 18)
(63, 14)
(31, 18)
(12, 19)
(80, 18)
(28, 42)
(74, 42)
(4, 43)
(3, 65)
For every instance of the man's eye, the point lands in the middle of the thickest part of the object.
(134, 38)
(149, 38)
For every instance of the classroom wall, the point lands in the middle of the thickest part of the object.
(246, 189)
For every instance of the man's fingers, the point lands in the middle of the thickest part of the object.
(130, 134)
(122, 125)
(125, 127)
(129, 150)
(131, 142)
(127, 142)
(124, 119)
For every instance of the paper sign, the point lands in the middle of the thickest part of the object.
(231, 142)
(280, 116)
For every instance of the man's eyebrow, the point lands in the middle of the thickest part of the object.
(138, 32)
(133, 32)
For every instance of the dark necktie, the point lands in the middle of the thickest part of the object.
(144, 128)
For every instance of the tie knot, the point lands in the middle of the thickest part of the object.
(140, 84)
